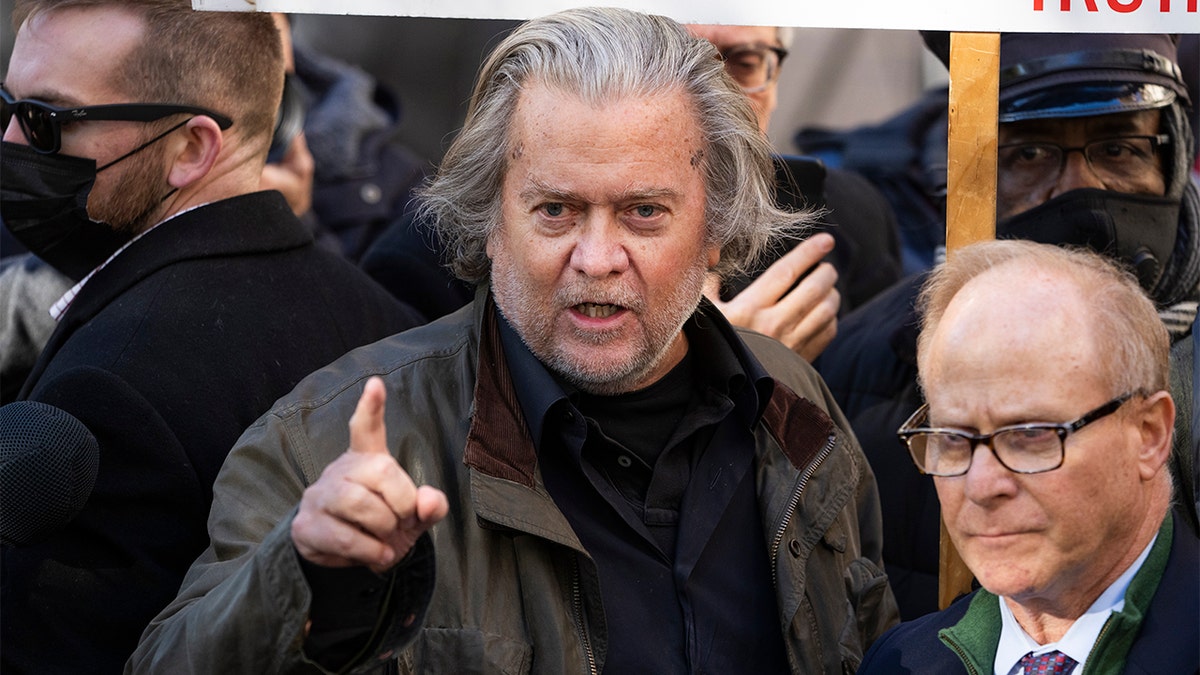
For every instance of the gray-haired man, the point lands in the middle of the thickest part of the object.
(612, 477)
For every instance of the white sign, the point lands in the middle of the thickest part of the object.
(1066, 16)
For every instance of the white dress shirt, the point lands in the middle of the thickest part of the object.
(1079, 639)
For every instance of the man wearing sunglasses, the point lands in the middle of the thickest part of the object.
(1094, 150)
(1050, 459)
(135, 134)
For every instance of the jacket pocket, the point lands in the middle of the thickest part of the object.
(466, 651)
(873, 606)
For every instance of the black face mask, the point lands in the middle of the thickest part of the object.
(1138, 229)
(43, 202)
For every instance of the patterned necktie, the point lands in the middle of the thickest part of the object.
(1050, 663)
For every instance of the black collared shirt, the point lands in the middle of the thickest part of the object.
(659, 485)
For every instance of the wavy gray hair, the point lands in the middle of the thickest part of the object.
(602, 55)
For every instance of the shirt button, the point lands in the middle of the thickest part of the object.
(794, 548)
(624, 462)
(370, 193)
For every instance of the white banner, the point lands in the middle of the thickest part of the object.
(1074, 16)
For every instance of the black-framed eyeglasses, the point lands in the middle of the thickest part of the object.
(1020, 448)
(1114, 160)
(42, 123)
(753, 66)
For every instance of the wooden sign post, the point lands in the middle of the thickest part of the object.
(970, 201)
(971, 147)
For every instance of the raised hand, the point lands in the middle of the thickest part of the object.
(364, 509)
(805, 317)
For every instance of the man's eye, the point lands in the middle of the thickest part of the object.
(1033, 439)
(744, 63)
(554, 209)
(947, 443)
(1024, 158)
(1034, 153)
(646, 211)
(1121, 151)
(1114, 149)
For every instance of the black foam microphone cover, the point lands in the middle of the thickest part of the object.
(48, 466)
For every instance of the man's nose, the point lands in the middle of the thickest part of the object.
(13, 133)
(987, 478)
(600, 248)
(1076, 173)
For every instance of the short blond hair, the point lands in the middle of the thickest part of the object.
(228, 62)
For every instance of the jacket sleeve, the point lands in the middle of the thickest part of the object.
(866, 497)
(244, 605)
(865, 585)
(877, 611)
(875, 605)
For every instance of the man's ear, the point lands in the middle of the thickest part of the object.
(1156, 423)
(195, 151)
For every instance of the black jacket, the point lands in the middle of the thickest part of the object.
(167, 354)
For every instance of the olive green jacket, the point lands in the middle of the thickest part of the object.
(515, 591)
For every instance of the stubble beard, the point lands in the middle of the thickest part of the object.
(536, 326)
(135, 198)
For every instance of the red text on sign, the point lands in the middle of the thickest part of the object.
(1125, 7)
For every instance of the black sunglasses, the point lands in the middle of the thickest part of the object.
(42, 123)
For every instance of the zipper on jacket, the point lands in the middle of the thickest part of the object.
(962, 656)
(777, 540)
(1104, 631)
(577, 596)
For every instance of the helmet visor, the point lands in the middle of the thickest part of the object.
(1085, 100)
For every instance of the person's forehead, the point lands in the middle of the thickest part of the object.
(626, 149)
(724, 36)
(67, 56)
(543, 111)
(1017, 307)
(1140, 122)
(1013, 345)
(1023, 285)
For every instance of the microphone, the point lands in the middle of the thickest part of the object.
(48, 466)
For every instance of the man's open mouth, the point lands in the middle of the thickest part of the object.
(595, 311)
